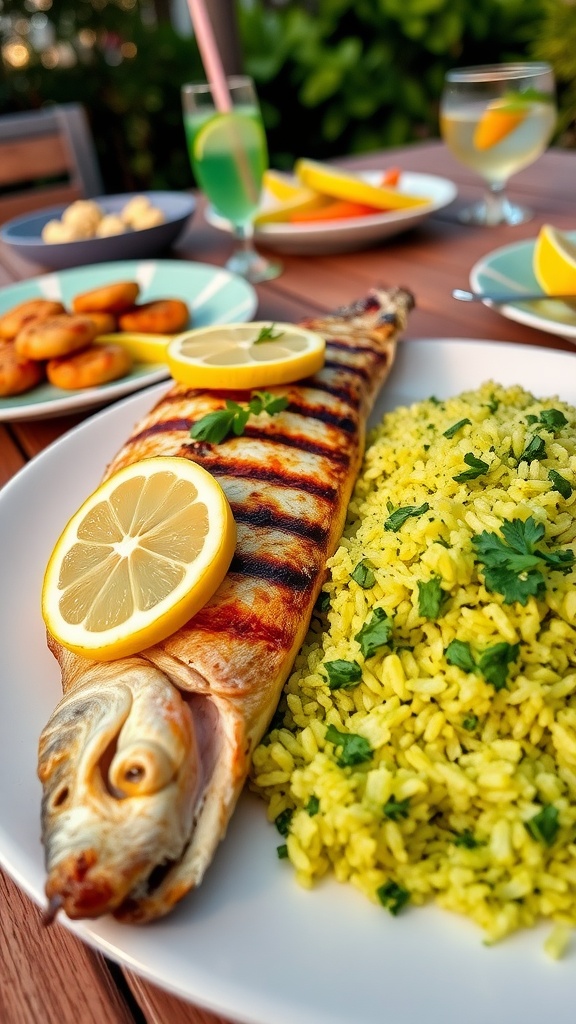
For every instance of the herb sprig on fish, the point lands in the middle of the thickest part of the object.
(217, 426)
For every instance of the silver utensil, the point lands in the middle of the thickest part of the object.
(501, 300)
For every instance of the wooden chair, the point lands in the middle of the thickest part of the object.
(46, 157)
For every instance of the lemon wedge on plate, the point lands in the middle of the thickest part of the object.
(144, 348)
(342, 185)
(280, 185)
(244, 356)
(554, 261)
(140, 557)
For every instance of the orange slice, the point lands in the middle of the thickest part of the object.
(498, 120)
(140, 557)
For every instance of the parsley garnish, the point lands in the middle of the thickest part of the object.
(458, 653)
(399, 517)
(396, 809)
(364, 575)
(282, 821)
(430, 598)
(375, 633)
(456, 427)
(313, 806)
(216, 426)
(492, 663)
(536, 449)
(553, 419)
(282, 851)
(355, 749)
(470, 722)
(393, 897)
(512, 566)
(322, 602)
(493, 404)
(544, 826)
(467, 840)
(477, 468)
(267, 334)
(343, 675)
(560, 484)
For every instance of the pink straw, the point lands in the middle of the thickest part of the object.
(210, 55)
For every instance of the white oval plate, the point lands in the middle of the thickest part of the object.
(510, 268)
(250, 943)
(354, 232)
(214, 296)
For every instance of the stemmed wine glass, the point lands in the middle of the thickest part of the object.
(497, 119)
(228, 155)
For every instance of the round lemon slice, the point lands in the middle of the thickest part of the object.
(140, 557)
(554, 261)
(243, 356)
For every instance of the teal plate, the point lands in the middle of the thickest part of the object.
(214, 296)
(509, 268)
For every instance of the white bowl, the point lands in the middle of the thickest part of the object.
(24, 234)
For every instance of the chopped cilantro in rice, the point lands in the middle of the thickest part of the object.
(430, 718)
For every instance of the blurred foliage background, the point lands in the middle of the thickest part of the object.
(333, 76)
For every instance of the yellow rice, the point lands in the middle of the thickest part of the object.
(443, 807)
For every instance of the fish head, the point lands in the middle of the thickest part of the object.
(119, 767)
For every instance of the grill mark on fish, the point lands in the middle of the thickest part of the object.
(356, 371)
(343, 392)
(274, 570)
(163, 427)
(268, 516)
(332, 419)
(300, 442)
(239, 624)
(345, 346)
(223, 467)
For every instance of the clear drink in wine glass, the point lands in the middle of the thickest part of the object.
(228, 154)
(497, 119)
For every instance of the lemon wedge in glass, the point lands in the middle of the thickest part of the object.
(142, 555)
(246, 355)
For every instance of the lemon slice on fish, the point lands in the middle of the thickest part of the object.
(246, 355)
(140, 557)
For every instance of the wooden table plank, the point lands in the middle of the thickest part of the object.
(48, 975)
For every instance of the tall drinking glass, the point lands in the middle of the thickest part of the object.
(229, 155)
(497, 119)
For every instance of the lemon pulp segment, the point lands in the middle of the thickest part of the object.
(142, 555)
(554, 261)
(340, 185)
(230, 356)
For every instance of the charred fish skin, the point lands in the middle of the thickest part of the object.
(288, 479)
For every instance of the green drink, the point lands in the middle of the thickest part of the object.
(228, 154)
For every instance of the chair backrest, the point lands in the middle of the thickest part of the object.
(46, 157)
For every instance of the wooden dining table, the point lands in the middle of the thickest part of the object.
(49, 975)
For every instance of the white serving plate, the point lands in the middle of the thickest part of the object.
(324, 237)
(250, 944)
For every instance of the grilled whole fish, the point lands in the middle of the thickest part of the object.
(143, 760)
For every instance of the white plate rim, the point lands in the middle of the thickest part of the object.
(511, 310)
(58, 402)
(447, 956)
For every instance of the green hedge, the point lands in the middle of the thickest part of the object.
(334, 76)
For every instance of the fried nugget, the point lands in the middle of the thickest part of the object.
(56, 336)
(94, 365)
(110, 298)
(18, 374)
(161, 316)
(15, 319)
(105, 322)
